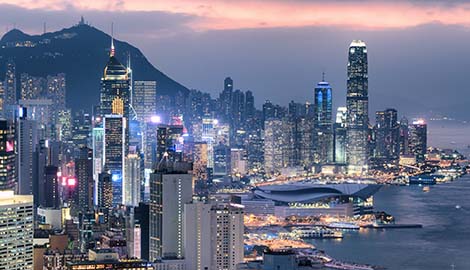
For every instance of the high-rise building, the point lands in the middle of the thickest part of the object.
(115, 92)
(51, 187)
(404, 136)
(144, 100)
(386, 136)
(418, 139)
(85, 183)
(105, 191)
(98, 148)
(323, 122)
(132, 179)
(115, 152)
(8, 164)
(10, 90)
(16, 217)
(170, 141)
(200, 161)
(340, 141)
(32, 87)
(171, 186)
(56, 90)
(276, 142)
(214, 235)
(357, 102)
(27, 139)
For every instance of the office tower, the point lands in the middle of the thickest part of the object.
(32, 87)
(303, 151)
(226, 100)
(357, 103)
(144, 99)
(238, 111)
(255, 150)
(323, 97)
(200, 161)
(221, 160)
(82, 127)
(386, 136)
(56, 90)
(105, 191)
(16, 217)
(250, 109)
(209, 126)
(7, 155)
(404, 136)
(340, 138)
(51, 187)
(98, 148)
(141, 218)
(150, 142)
(132, 179)
(276, 144)
(40, 161)
(85, 183)
(214, 235)
(115, 152)
(27, 139)
(418, 139)
(170, 141)
(10, 90)
(171, 186)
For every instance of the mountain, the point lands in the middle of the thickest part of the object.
(81, 52)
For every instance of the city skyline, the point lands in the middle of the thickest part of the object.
(308, 49)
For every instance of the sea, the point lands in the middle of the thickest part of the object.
(443, 242)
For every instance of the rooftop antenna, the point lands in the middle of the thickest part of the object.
(323, 76)
(112, 40)
(44, 27)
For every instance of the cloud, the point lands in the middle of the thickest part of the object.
(225, 14)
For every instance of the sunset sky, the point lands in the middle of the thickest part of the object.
(419, 51)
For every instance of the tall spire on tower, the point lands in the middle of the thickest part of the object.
(111, 53)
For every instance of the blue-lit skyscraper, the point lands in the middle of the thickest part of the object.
(323, 122)
(357, 102)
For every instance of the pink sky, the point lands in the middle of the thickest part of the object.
(231, 14)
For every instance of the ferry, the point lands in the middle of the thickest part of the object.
(343, 226)
(422, 179)
(316, 232)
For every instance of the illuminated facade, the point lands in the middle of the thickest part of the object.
(357, 102)
(7, 156)
(387, 147)
(27, 139)
(10, 99)
(323, 122)
(16, 242)
(132, 179)
(114, 152)
(418, 139)
(144, 99)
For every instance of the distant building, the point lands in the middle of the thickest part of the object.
(357, 102)
(16, 217)
(387, 145)
(418, 139)
(8, 165)
(404, 137)
(144, 100)
(132, 179)
(84, 176)
(340, 138)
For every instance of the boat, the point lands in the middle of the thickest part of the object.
(422, 179)
(343, 226)
(347, 266)
(316, 232)
(426, 189)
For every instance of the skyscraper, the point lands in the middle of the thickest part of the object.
(27, 139)
(357, 102)
(171, 186)
(114, 152)
(7, 155)
(144, 99)
(115, 93)
(323, 122)
(16, 217)
(169, 141)
(340, 141)
(132, 179)
(10, 90)
(418, 139)
(84, 176)
(386, 136)
(404, 136)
